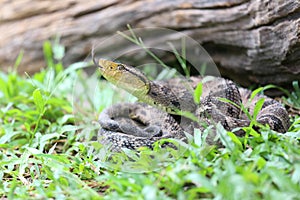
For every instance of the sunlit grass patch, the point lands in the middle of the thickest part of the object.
(48, 121)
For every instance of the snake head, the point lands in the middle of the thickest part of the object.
(124, 76)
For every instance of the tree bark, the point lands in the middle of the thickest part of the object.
(251, 41)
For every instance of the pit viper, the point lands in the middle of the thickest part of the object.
(158, 114)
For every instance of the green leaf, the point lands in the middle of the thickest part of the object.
(261, 89)
(58, 51)
(258, 107)
(296, 174)
(149, 192)
(130, 153)
(9, 134)
(225, 139)
(3, 88)
(282, 181)
(255, 92)
(18, 60)
(228, 101)
(38, 101)
(235, 139)
(181, 58)
(187, 114)
(68, 128)
(203, 69)
(47, 48)
(200, 181)
(198, 137)
(261, 162)
(198, 93)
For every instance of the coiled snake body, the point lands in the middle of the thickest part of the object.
(132, 125)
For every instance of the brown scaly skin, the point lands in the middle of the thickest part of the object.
(132, 125)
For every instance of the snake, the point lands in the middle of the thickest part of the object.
(161, 112)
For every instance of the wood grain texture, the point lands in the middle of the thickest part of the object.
(251, 41)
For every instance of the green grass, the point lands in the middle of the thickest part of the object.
(46, 151)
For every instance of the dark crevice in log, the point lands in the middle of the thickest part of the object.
(292, 61)
(93, 10)
(208, 4)
(210, 24)
(288, 17)
(221, 6)
(223, 49)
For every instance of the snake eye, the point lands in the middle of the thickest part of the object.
(121, 67)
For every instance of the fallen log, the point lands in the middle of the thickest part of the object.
(254, 41)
